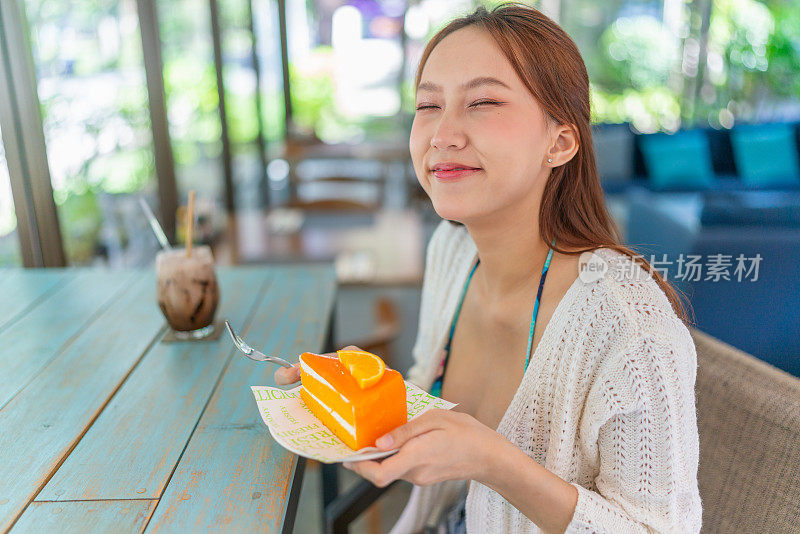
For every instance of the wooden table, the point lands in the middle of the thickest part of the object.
(103, 427)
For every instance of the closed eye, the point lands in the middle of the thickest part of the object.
(485, 102)
(491, 102)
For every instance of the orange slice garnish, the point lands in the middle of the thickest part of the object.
(365, 367)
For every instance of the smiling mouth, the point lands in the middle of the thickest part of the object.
(436, 169)
(453, 174)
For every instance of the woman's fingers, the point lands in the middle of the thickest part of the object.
(371, 470)
(387, 470)
(430, 420)
(287, 375)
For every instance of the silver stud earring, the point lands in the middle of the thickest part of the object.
(549, 160)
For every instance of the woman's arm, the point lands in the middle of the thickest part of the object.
(640, 421)
(444, 445)
(430, 303)
(542, 496)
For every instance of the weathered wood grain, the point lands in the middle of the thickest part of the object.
(32, 341)
(133, 446)
(20, 290)
(232, 474)
(41, 425)
(6, 276)
(84, 517)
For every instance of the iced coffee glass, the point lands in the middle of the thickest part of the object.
(187, 291)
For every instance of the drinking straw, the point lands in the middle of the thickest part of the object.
(189, 224)
(151, 218)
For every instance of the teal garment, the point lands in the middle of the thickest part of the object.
(436, 388)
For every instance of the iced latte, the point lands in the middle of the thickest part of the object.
(187, 290)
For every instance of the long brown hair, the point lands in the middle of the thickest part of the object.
(573, 209)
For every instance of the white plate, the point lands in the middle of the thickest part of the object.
(296, 429)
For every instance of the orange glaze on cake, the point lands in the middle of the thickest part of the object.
(364, 415)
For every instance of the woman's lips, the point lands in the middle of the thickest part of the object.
(449, 176)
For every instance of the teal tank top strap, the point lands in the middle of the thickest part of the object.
(545, 269)
(436, 388)
(460, 303)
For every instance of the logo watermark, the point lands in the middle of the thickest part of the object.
(592, 267)
(686, 267)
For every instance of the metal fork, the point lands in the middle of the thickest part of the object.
(252, 353)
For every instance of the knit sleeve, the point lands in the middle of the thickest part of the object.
(418, 372)
(640, 424)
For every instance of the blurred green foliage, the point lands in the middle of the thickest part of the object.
(94, 106)
(753, 57)
(636, 58)
(9, 250)
(636, 64)
(648, 109)
(192, 101)
(80, 215)
(754, 46)
(783, 49)
(312, 95)
(639, 53)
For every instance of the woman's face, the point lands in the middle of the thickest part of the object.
(498, 128)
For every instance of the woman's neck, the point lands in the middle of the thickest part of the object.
(511, 252)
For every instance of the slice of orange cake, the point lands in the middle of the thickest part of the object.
(354, 395)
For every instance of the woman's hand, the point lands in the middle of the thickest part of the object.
(438, 445)
(289, 375)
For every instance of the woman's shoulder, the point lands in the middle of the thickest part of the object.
(638, 318)
(632, 291)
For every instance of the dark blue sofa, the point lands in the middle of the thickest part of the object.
(760, 316)
(746, 157)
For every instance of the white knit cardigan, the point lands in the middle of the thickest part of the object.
(607, 402)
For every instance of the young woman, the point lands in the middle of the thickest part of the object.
(575, 396)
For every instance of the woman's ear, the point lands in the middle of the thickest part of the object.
(564, 146)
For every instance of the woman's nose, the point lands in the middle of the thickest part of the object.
(449, 133)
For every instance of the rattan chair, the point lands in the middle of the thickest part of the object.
(748, 416)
